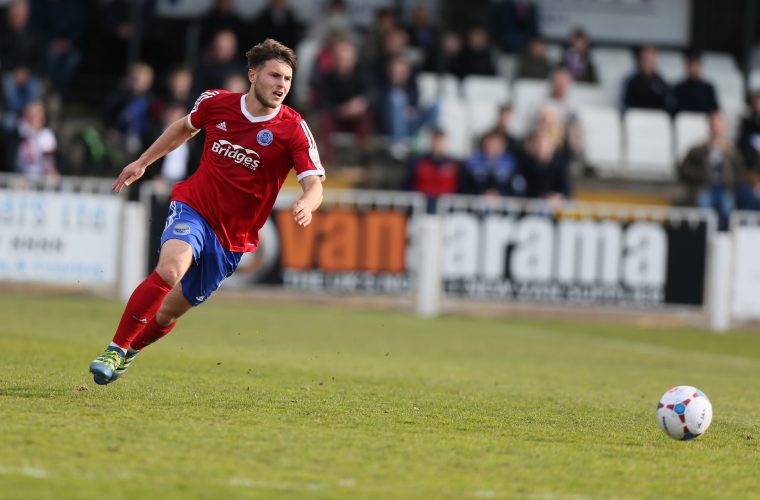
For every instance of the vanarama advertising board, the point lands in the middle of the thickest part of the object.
(596, 254)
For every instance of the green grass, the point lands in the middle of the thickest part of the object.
(245, 400)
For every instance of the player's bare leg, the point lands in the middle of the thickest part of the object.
(174, 261)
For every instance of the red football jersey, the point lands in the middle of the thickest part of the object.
(245, 160)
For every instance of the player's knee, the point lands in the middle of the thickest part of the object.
(170, 272)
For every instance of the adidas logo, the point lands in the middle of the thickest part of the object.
(222, 126)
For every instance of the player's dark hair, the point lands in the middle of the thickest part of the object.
(270, 49)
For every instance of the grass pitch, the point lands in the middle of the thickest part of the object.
(244, 400)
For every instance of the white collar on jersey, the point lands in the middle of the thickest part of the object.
(256, 119)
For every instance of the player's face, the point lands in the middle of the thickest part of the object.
(271, 82)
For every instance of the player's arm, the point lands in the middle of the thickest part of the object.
(173, 137)
(309, 200)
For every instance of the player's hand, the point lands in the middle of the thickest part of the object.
(302, 213)
(130, 174)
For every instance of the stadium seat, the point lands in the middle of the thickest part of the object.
(584, 94)
(453, 119)
(671, 66)
(613, 66)
(602, 138)
(306, 51)
(528, 97)
(734, 114)
(482, 116)
(648, 144)
(433, 87)
(506, 66)
(690, 129)
(754, 80)
(491, 89)
(554, 53)
(721, 70)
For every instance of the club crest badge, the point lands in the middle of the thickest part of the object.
(264, 137)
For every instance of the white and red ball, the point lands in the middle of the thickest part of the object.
(684, 412)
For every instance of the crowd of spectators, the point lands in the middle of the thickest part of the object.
(363, 82)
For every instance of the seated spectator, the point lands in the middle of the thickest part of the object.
(448, 57)
(334, 20)
(559, 86)
(127, 111)
(476, 58)
(749, 135)
(37, 145)
(545, 168)
(221, 61)
(402, 114)
(712, 171)
(515, 23)
(372, 44)
(423, 33)
(646, 88)
(694, 93)
(63, 26)
(435, 173)
(237, 84)
(503, 119)
(21, 60)
(174, 167)
(395, 45)
(577, 58)
(222, 17)
(178, 88)
(277, 21)
(493, 169)
(534, 63)
(343, 101)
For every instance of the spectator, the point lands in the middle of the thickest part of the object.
(178, 89)
(220, 62)
(447, 59)
(712, 171)
(559, 86)
(37, 145)
(749, 136)
(277, 21)
(577, 58)
(503, 120)
(545, 168)
(174, 166)
(223, 18)
(694, 93)
(62, 24)
(646, 88)
(21, 56)
(403, 116)
(493, 169)
(435, 173)
(395, 45)
(237, 84)
(476, 57)
(343, 101)
(372, 45)
(334, 20)
(534, 63)
(423, 33)
(515, 24)
(127, 112)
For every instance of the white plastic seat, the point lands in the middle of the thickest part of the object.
(490, 89)
(613, 66)
(506, 66)
(584, 94)
(602, 138)
(529, 95)
(482, 117)
(648, 144)
(671, 66)
(690, 129)
(454, 121)
(433, 87)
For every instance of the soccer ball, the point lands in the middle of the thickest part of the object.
(684, 412)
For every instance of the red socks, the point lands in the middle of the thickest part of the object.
(141, 308)
(152, 332)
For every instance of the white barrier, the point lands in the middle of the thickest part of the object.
(59, 237)
(745, 272)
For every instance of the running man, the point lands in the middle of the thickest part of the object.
(252, 142)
